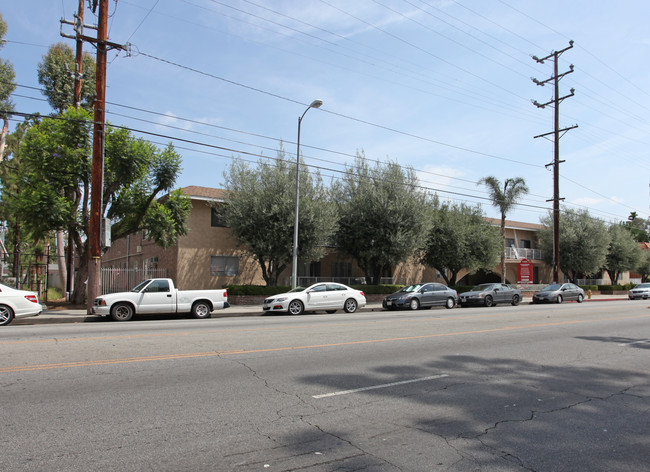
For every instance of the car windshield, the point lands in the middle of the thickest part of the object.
(552, 288)
(140, 286)
(297, 289)
(643, 286)
(482, 288)
(411, 288)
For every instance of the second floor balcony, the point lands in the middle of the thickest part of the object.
(518, 253)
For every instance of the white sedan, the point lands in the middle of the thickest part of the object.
(17, 304)
(327, 296)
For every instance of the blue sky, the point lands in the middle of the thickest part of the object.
(442, 86)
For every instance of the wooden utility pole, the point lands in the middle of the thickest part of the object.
(557, 134)
(97, 173)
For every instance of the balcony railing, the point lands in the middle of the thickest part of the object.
(524, 253)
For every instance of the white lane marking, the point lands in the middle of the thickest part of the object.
(643, 341)
(373, 387)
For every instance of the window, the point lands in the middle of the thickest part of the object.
(525, 243)
(216, 217)
(341, 269)
(158, 286)
(510, 242)
(224, 265)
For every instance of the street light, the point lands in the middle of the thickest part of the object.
(294, 265)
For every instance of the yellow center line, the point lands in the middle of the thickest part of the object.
(249, 330)
(290, 348)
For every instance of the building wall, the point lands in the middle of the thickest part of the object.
(189, 263)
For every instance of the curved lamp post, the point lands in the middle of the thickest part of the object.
(294, 265)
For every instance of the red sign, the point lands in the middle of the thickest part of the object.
(525, 272)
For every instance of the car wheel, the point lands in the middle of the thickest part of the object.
(201, 310)
(559, 298)
(489, 301)
(515, 300)
(329, 312)
(350, 305)
(580, 298)
(450, 303)
(6, 315)
(414, 304)
(122, 312)
(296, 307)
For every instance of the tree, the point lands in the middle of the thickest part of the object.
(260, 209)
(56, 75)
(504, 200)
(643, 265)
(583, 242)
(7, 87)
(638, 227)
(623, 252)
(381, 216)
(459, 238)
(55, 185)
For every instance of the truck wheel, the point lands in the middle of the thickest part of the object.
(122, 312)
(201, 310)
(6, 315)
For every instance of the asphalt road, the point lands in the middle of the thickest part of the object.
(535, 387)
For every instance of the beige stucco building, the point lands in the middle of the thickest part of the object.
(209, 257)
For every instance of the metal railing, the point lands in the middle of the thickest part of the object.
(307, 281)
(122, 280)
(524, 253)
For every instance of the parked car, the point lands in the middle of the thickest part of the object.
(557, 293)
(159, 296)
(17, 304)
(327, 296)
(421, 296)
(640, 291)
(490, 295)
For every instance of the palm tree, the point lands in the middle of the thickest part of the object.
(504, 200)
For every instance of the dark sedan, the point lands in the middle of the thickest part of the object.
(490, 295)
(422, 296)
(557, 293)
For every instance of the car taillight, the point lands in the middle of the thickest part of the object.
(362, 294)
(32, 298)
(225, 293)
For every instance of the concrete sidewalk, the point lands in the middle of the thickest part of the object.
(75, 314)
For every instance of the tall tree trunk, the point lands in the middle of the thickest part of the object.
(60, 254)
(503, 252)
(3, 137)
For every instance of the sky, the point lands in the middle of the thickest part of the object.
(441, 86)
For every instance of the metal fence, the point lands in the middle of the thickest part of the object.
(122, 280)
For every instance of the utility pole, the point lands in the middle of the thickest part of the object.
(97, 173)
(557, 134)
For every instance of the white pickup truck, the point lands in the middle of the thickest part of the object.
(159, 296)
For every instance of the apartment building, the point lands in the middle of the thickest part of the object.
(209, 257)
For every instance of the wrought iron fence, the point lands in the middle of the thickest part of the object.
(122, 280)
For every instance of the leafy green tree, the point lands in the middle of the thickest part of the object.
(583, 242)
(7, 87)
(382, 215)
(459, 238)
(55, 176)
(623, 253)
(260, 210)
(504, 199)
(643, 265)
(56, 75)
(638, 227)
